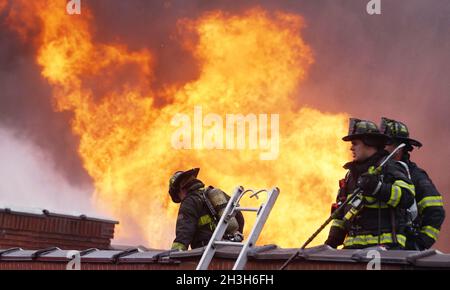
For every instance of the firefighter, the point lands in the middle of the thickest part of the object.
(427, 221)
(195, 222)
(386, 196)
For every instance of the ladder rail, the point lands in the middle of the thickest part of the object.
(262, 213)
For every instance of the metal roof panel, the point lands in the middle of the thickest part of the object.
(39, 212)
(20, 255)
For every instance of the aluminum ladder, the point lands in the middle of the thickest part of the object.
(262, 213)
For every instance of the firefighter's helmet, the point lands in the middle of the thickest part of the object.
(363, 129)
(397, 131)
(175, 182)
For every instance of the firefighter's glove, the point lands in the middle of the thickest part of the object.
(369, 183)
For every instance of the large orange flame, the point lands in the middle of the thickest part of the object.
(252, 62)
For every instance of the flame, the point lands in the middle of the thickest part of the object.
(250, 62)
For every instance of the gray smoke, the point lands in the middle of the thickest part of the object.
(29, 178)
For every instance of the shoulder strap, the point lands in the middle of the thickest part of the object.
(209, 205)
(412, 210)
(347, 176)
(406, 168)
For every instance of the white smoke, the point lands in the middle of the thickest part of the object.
(29, 179)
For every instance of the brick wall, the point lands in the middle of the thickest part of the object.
(44, 231)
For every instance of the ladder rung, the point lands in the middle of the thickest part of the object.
(225, 243)
(247, 209)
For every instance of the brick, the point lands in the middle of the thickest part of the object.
(40, 232)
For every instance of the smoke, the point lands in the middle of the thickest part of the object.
(26, 107)
(395, 65)
(30, 179)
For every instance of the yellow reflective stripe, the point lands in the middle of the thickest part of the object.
(396, 192)
(370, 199)
(401, 239)
(204, 220)
(375, 205)
(338, 223)
(372, 202)
(396, 195)
(207, 220)
(364, 240)
(179, 246)
(430, 231)
(429, 201)
(407, 186)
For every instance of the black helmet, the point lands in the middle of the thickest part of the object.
(363, 129)
(397, 131)
(175, 181)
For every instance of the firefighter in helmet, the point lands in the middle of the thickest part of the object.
(199, 211)
(386, 195)
(430, 213)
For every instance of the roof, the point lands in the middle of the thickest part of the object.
(41, 238)
(262, 257)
